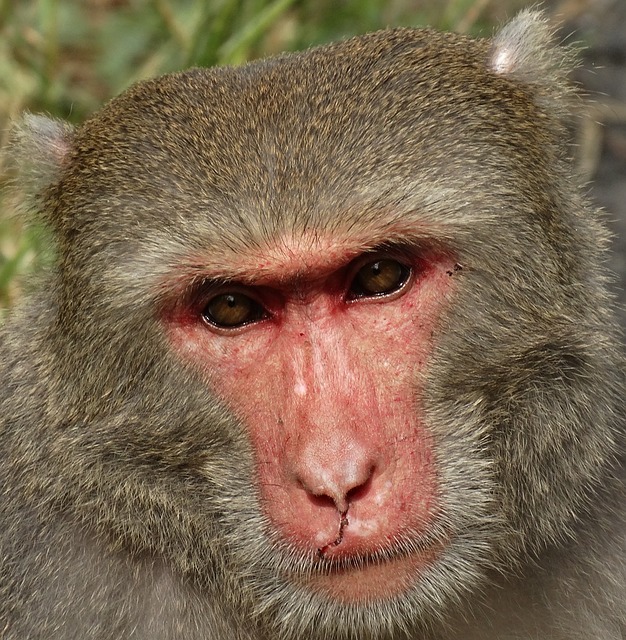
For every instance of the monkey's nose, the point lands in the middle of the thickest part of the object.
(340, 480)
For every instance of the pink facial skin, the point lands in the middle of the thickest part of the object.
(327, 384)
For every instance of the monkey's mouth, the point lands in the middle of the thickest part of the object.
(360, 577)
(352, 574)
(366, 578)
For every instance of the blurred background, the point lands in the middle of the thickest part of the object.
(66, 57)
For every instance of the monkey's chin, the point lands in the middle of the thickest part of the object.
(372, 582)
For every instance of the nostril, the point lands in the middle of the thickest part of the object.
(321, 500)
(339, 493)
(358, 493)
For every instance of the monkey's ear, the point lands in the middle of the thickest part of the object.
(525, 50)
(39, 148)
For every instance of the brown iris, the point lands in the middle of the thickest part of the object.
(232, 309)
(379, 278)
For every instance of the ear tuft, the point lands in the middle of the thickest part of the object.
(39, 148)
(525, 50)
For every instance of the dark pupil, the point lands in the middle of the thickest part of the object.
(380, 277)
(230, 310)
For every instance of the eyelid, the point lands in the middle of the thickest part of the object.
(405, 255)
(208, 289)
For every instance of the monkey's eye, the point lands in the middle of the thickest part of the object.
(232, 309)
(379, 277)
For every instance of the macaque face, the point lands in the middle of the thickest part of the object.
(319, 348)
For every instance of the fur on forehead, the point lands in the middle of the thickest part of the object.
(523, 51)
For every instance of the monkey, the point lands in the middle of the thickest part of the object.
(327, 352)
